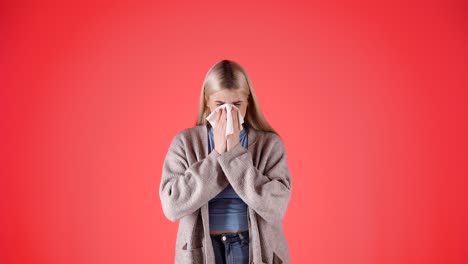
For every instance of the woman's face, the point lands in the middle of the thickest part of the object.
(224, 96)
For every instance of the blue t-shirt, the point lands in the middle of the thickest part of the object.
(227, 210)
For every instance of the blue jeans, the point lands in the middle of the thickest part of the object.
(231, 248)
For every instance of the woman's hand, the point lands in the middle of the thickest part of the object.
(234, 138)
(219, 132)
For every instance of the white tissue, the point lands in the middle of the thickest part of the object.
(229, 122)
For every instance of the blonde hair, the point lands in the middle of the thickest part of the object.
(228, 74)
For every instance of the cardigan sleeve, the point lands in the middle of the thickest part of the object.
(267, 193)
(185, 187)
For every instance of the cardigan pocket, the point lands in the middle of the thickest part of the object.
(277, 259)
(191, 255)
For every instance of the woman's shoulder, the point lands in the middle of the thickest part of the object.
(267, 141)
(189, 132)
(268, 136)
(195, 130)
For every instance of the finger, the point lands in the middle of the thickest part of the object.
(224, 115)
(234, 118)
(221, 116)
(220, 119)
(218, 115)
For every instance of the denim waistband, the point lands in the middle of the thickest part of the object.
(229, 237)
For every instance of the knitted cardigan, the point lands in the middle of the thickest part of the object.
(260, 176)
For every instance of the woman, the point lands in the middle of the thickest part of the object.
(229, 193)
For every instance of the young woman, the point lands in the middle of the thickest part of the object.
(229, 193)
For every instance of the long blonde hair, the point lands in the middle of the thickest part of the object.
(228, 74)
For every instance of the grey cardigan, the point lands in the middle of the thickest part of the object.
(260, 176)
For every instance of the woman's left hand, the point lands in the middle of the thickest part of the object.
(234, 139)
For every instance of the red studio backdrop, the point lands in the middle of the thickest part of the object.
(370, 100)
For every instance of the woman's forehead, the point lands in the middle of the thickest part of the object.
(227, 94)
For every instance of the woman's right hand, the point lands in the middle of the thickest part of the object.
(219, 132)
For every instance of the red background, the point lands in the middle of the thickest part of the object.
(369, 98)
